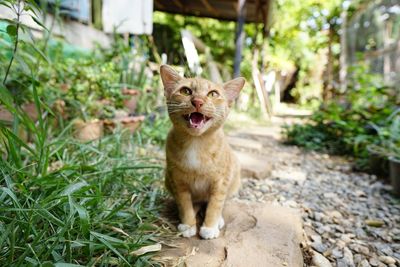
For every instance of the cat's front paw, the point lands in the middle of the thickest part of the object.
(221, 222)
(187, 230)
(209, 232)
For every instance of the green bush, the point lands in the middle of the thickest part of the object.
(347, 124)
(64, 202)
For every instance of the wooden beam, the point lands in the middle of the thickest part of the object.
(239, 38)
(234, 5)
(158, 4)
(210, 8)
(178, 3)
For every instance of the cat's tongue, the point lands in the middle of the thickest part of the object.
(196, 120)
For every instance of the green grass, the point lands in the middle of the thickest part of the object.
(62, 201)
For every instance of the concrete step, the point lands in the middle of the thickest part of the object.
(255, 234)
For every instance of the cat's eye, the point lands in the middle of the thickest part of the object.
(213, 94)
(185, 91)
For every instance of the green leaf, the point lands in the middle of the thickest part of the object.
(73, 188)
(5, 4)
(40, 52)
(6, 99)
(18, 140)
(83, 216)
(64, 264)
(11, 30)
(50, 217)
(39, 23)
(104, 239)
(6, 233)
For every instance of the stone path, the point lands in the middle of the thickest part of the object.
(255, 235)
(349, 219)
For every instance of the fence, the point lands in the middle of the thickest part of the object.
(372, 35)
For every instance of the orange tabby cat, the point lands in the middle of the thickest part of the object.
(201, 167)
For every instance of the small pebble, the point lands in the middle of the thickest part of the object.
(387, 259)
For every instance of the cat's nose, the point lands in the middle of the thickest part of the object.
(197, 102)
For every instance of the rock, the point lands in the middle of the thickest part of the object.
(318, 246)
(374, 222)
(255, 234)
(258, 167)
(359, 193)
(345, 238)
(360, 233)
(348, 257)
(291, 175)
(335, 214)
(358, 258)
(384, 248)
(316, 238)
(318, 216)
(320, 261)
(360, 249)
(330, 195)
(244, 143)
(387, 259)
(374, 262)
(336, 253)
(339, 229)
(364, 263)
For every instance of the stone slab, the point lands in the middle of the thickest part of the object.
(244, 143)
(255, 234)
(254, 166)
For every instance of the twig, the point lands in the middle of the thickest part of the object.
(18, 12)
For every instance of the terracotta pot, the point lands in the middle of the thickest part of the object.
(88, 131)
(109, 126)
(29, 109)
(60, 109)
(130, 124)
(395, 174)
(130, 101)
(5, 115)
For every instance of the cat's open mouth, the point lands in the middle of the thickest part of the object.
(196, 119)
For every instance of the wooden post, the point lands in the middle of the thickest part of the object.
(239, 38)
(343, 52)
(386, 56)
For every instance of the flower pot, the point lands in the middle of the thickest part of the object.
(395, 174)
(88, 131)
(5, 115)
(109, 126)
(28, 108)
(378, 163)
(130, 101)
(130, 123)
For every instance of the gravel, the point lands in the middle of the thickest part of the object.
(350, 218)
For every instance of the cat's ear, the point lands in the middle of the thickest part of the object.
(170, 78)
(233, 87)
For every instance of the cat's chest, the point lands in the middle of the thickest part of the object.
(192, 155)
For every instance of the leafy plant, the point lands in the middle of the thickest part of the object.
(389, 136)
(62, 201)
(348, 124)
